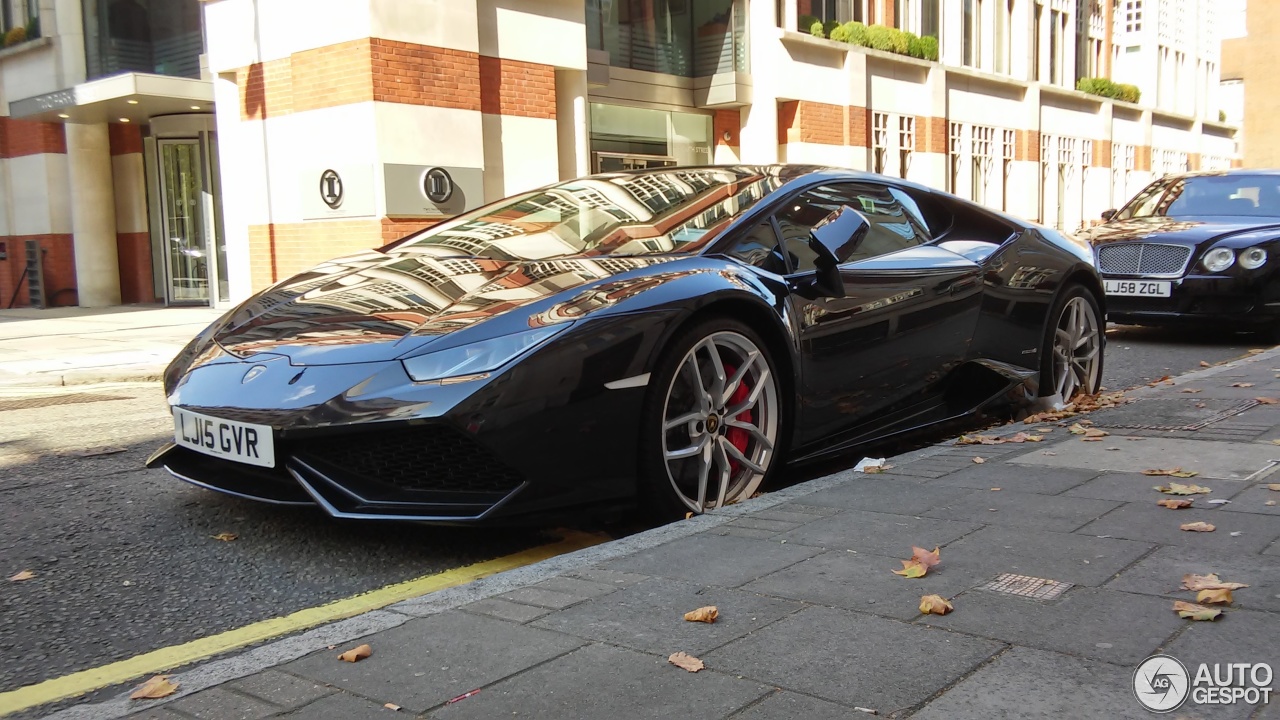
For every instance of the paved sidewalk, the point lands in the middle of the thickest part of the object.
(74, 346)
(812, 622)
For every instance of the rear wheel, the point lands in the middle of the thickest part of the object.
(1071, 356)
(712, 421)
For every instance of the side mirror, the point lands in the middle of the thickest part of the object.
(833, 241)
(1107, 215)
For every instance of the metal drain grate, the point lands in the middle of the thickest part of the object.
(1027, 587)
(1130, 417)
(52, 400)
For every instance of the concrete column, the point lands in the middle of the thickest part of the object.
(571, 123)
(93, 215)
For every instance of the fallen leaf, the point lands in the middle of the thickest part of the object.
(1269, 503)
(23, 575)
(1180, 489)
(392, 706)
(706, 614)
(995, 489)
(1166, 380)
(1266, 401)
(935, 604)
(1095, 433)
(925, 557)
(875, 469)
(1195, 612)
(979, 460)
(1174, 504)
(1208, 582)
(1135, 439)
(1242, 385)
(99, 452)
(911, 569)
(1197, 527)
(1191, 391)
(1257, 351)
(225, 537)
(157, 687)
(688, 515)
(686, 661)
(1077, 429)
(356, 654)
(1275, 442)
(1204, 364)
(1170, 472)
(980, 440)
(1201, 405)
(1219, 596)
(1274, 486)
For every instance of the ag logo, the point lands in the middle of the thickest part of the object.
(437, 184)
(1161, 683)
(331, 189)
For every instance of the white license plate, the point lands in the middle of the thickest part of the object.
(1138, 288)
(228, 439)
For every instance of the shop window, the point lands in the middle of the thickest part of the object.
(689, 38)
(630, 138)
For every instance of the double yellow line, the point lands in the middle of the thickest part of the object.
(165, 659)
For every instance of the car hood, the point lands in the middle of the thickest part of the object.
(1196, 232)
(378, 306)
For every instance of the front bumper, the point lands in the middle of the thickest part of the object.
(1238, 302)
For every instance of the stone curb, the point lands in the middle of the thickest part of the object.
(127, 374)
(281, 651)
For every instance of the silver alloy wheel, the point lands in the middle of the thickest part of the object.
(719, 422)
(1077, 350)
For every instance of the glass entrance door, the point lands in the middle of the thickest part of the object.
(189, 274)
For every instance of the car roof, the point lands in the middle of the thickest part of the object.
(1232, 171)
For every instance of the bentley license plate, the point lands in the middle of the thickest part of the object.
(227, 439)
(1138, 288)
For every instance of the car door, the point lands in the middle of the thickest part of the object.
(906, 318)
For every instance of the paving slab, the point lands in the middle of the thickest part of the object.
(1051, 513)
(880, 533)
(860, 581)
(599, 681)
(281, 689)
(1238, 636)
(425, 662)
(1232, 461)
(772, 527)
(1151, 523)
(608, 577)
(222, 704)
(1160, 573)
(1073, 558)
(887, 494)
(1254, 499)
(650, 616)
(1136, 487)
(1027, 683)
(788, 706)
(1085, 622)
(844, 657)
(506, 610)
(1012, 475)
(714, 560)
(339, 707)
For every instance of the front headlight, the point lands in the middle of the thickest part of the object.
(1253, 258)
(468, 361)
(1218, 259)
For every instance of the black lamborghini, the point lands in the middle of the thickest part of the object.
(666, 336)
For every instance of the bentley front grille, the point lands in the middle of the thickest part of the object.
(1143, 259)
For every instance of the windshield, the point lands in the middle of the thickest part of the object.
(1223, 195)
(644, 213)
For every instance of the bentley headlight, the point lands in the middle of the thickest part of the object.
(1218, 259)
(1253, 258)
(467, 361)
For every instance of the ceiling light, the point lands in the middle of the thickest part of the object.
(195, 107)
(124, 119)
(133, 102)
(64, 116)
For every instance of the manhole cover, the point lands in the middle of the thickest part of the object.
(1176, 414)
(51, 400)
(1027, 587)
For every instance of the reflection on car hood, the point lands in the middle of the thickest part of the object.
(1182, 231)
(374, 306)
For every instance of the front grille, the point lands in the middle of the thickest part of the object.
(1143, 259)
(429, 459)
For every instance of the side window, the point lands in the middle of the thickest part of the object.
(759, 247)
(1144, 205)
(893, 228)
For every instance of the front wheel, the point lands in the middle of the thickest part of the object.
(1071, 356)
(712, 420)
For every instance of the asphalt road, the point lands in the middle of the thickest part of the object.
(125, 561)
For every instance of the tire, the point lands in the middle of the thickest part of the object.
(1060, 332)
(686, 436)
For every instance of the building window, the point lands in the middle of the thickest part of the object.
(164, 38)
(1133, 16)
(1037, 18)
(879, 141)
(824, 11)
(906, 143)
(20, 14)
(972, 33)
(980, 162)
(1009, 144)
(1056, 30)
(1004, 38)
(956, 148)
(675, 37)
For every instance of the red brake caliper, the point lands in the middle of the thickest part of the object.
(737, 436)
